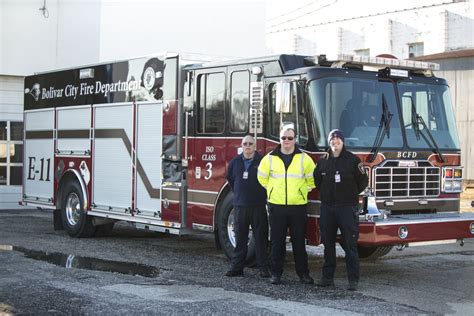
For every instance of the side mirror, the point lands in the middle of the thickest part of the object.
(283, 102)
(188, 95)
(189, 77)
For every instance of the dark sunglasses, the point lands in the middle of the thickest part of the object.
(287, 137)
(247, 144)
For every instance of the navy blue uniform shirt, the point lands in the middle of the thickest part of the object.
(247, 192)
(353, 178)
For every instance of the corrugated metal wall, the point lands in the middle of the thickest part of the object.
(460, 74)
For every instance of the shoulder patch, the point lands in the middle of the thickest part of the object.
(361, 168)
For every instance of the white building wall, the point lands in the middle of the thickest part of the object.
(460, 27)
(68, 34)
(73, 32)
(2, 12)
(382, 26)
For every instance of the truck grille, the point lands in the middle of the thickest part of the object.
(392, 181)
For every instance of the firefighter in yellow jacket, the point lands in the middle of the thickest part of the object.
(287, 175)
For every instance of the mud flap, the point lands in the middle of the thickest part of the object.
(57, 220)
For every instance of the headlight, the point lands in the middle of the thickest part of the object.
(451, 180)
(448, 186)
(457, 186)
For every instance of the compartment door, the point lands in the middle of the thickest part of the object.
(112, 157)
(39, 157)
(149, 149)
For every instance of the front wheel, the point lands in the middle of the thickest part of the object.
(74, 218)
(225, 230)
(372, 253)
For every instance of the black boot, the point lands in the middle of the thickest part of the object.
(306, 279)
(275, 280)
(323, 282)
(264, 273)
(353, 285)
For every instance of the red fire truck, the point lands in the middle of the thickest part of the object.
(148, 140)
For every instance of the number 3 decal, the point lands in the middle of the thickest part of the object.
(209, 171)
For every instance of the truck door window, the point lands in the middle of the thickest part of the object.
(239, 101)
(297, 117)
(211, 101)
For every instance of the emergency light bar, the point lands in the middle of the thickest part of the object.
(379, 61)
(382, 61)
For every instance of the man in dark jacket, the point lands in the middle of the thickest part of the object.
(249, 208)
(340, 177)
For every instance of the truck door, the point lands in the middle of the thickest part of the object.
(207, 164)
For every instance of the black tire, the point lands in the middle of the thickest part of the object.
(372, 253)
(225, 230)
(74, 218)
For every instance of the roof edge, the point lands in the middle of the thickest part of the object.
(448, 55)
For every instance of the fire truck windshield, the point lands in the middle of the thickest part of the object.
(355, 105)
(432, 103)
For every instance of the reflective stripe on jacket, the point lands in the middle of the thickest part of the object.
(287, 186)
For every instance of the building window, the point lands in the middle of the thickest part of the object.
(362, 52)
(415, 50)
(11, 153)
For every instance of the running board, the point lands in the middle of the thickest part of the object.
(141, 222)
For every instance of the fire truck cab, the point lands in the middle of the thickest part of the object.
(148, 141)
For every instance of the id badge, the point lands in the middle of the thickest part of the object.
(245, 175)
(337, 177)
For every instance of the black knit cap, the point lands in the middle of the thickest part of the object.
(335, 133)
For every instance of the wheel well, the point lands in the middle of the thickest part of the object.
(67, 176)
(221, 197)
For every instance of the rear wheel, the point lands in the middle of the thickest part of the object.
(74, 219)
(225, 229)
(372, 253)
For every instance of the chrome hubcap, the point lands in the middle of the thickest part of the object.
(73, 208)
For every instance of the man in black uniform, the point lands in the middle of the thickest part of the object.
(249, 208)
(340, 177)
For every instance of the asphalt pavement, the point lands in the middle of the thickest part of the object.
(43, 271)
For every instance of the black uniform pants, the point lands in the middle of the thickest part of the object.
(256, 217)
(346, 218)
(294, 217)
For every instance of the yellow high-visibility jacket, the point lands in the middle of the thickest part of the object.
(287, 186)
